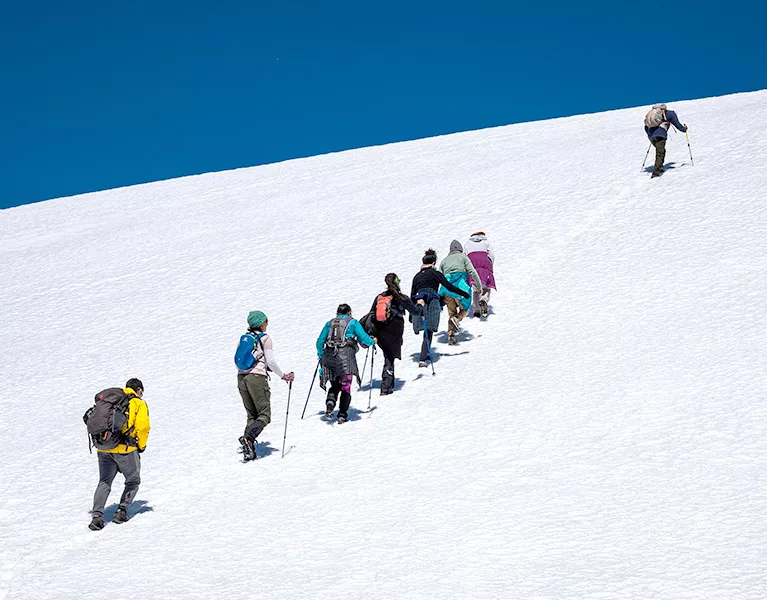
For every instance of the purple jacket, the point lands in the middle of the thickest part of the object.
(484, 267)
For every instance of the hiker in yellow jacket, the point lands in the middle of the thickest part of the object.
(125, 458)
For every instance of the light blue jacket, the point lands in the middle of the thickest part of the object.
(353, 330)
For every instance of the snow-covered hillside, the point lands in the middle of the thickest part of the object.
(603, 435)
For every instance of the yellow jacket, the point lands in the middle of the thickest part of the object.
(138, 418)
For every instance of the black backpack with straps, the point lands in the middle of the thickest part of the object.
(337, 334)
(107, 417)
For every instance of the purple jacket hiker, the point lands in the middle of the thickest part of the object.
(481, 256)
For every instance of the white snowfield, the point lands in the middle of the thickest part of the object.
(603, 435)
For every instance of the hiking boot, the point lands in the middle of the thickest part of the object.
(329, 407)
(483, 308)
(386, 392)
(477, 313)
(451, 341)
(342, 419)
(455, 323)
(97, 524)
(423, 364)
(121, 516)
(248, 450)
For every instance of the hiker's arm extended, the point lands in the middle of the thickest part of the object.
(271, 362)
(675, 121)
(451, 288)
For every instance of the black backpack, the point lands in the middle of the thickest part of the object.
(106, 419)
(337, 334)
(368, 324)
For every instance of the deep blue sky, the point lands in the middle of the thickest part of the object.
(102, 94)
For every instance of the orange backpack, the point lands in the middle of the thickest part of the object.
(383, 307)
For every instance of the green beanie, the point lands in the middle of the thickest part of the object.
(256, 318)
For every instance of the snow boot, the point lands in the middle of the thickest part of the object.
(96, 524)
(329, 408)
(342, 419)
(248, 449)
(121, 516)
(423, 364)
(451, 341)
(483, 308)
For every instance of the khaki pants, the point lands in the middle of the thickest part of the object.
(454, 309)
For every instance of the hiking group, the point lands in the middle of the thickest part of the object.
(383, 326)
(118, 423)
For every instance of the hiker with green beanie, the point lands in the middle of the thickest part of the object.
(255, 359)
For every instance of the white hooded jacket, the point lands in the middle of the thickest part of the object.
(479, 243)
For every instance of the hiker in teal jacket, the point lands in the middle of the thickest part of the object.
(337, 347)
(456, 267)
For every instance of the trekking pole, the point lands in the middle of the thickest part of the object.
(428, 345)
(364, 366)
(372, 358)
(645, 157)
(287, 412)
(688, 147)
(317, 368)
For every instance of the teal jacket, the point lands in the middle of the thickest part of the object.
(353, 330)
(458, 262)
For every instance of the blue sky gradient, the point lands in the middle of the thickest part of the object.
(97, 95)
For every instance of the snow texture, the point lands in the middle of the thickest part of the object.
(602, 435)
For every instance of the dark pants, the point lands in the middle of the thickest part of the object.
(110, 464)
(660, 154)
(342, 386)
(425, 349)
(387, 375)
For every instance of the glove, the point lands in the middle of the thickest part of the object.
(140, 450)
(289, 377)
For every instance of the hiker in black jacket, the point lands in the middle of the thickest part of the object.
(424, 293)
(390, 304)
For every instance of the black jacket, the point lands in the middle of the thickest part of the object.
(429, 277)
(389, 333)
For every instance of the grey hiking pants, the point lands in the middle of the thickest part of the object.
(109, 465)
(256, 397)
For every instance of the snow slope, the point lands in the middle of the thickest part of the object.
(602, 435)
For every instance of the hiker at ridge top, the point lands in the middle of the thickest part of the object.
(656, 125)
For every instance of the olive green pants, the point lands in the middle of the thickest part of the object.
(256, 397)
(660, 154)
